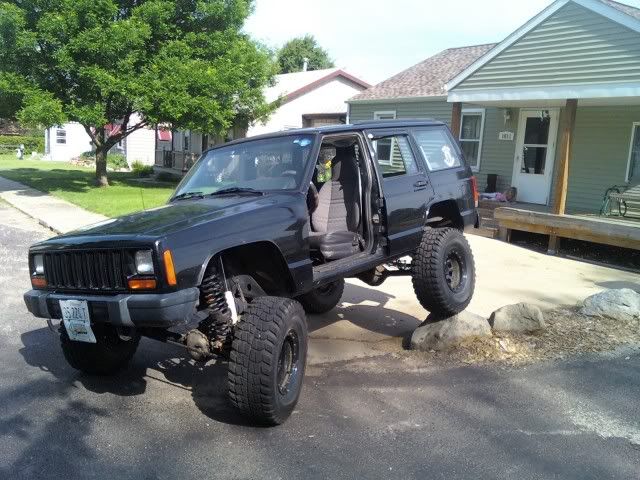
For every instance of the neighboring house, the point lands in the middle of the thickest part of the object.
(307, 99)
(572, 71)
(70, 140)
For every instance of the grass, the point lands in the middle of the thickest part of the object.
(76, 185)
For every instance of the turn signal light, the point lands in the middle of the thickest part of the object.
(168, 268)
(38, 282)
(142, 284)
(474, 188)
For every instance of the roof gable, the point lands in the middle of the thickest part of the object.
(624, 15)
(290, 86)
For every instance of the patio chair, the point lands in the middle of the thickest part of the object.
(626, 198)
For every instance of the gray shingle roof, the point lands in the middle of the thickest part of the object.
(628, 9)
(429, 77)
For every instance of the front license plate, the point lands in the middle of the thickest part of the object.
(75, 315)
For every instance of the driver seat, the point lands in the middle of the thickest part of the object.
(336, 220)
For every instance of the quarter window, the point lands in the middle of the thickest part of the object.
(634, 155)
(471, 130)
(395, 156)
(61, 136)
(437, 149)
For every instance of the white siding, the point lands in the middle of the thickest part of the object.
(77, 142)
(141, 146)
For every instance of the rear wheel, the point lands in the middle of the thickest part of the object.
(324, 298)
(107, 356)
(267, 360)
(443, 271)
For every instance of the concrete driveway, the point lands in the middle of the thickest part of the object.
(505, 274)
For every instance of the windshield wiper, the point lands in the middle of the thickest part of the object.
(186, 195)
(251, 191)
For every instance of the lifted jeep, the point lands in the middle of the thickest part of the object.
(259, 231)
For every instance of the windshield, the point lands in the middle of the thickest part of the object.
(261, 165)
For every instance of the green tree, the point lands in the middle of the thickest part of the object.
(292, 54)
(136, 63)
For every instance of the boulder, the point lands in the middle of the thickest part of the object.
(449, 332)
(619, 304)
(519, 317)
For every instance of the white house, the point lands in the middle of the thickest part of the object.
(70, 140)
(309, 99)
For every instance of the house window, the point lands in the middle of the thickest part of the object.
(633, 169)
(61, 136)
(471, 131)
(384, 146)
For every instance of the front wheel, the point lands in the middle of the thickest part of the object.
(443, 271)
(324, 298)
(107, 356)
(267, 361)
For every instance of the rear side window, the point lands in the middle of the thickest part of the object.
(395, 156)
(437, 149)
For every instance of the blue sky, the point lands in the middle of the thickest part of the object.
(375, 39)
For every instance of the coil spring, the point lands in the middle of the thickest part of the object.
(217, 327)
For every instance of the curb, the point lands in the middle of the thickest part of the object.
(40, 221)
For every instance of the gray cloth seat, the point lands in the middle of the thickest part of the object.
(336, 220)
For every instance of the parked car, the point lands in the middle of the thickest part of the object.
(259, 232)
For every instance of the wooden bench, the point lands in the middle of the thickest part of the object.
(627, 201)
(605, 230)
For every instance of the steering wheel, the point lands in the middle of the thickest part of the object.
(313, 199)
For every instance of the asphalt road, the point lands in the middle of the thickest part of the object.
(390, 416)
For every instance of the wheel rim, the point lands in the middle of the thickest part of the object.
(455, 271)
(288, 363)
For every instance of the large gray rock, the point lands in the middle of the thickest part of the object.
(619, 304)
(519, 317)
(449, 332)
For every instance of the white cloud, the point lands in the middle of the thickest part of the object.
(377, 38)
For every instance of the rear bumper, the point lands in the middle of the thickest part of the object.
(140, 310)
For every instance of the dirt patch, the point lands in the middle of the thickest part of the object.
(568, 333)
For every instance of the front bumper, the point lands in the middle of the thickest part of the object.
(128, 310)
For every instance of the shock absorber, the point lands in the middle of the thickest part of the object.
(218, 325)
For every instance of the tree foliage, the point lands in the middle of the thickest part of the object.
(292, 54)
(131, 62)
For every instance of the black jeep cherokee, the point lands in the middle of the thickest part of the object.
(259, 231)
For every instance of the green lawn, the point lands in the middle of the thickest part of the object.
(76, 185)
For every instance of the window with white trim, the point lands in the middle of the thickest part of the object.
(471, 132)
(633, 169)
(385, 146)
(61, 136)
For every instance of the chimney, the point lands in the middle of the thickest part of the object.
(305, 64)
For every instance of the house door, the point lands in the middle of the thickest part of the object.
(535, 154)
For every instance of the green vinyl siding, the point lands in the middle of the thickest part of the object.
(436, 109)
(573, 46)
(600, 154)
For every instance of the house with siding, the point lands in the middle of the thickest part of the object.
(553, 109)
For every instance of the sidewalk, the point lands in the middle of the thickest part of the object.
(51, 212)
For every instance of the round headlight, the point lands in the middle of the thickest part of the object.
(38, 264)
(144, 262)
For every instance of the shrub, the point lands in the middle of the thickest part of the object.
(167, 177)
(117, 161)
(141, 170)
(8, 143)
(90, 155)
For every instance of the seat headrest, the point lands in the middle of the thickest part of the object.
(344, 164)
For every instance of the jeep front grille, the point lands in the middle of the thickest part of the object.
(88, 270)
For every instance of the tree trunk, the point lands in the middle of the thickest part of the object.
(101, 167)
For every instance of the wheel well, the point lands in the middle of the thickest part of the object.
(263, 261)
(445, 214)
